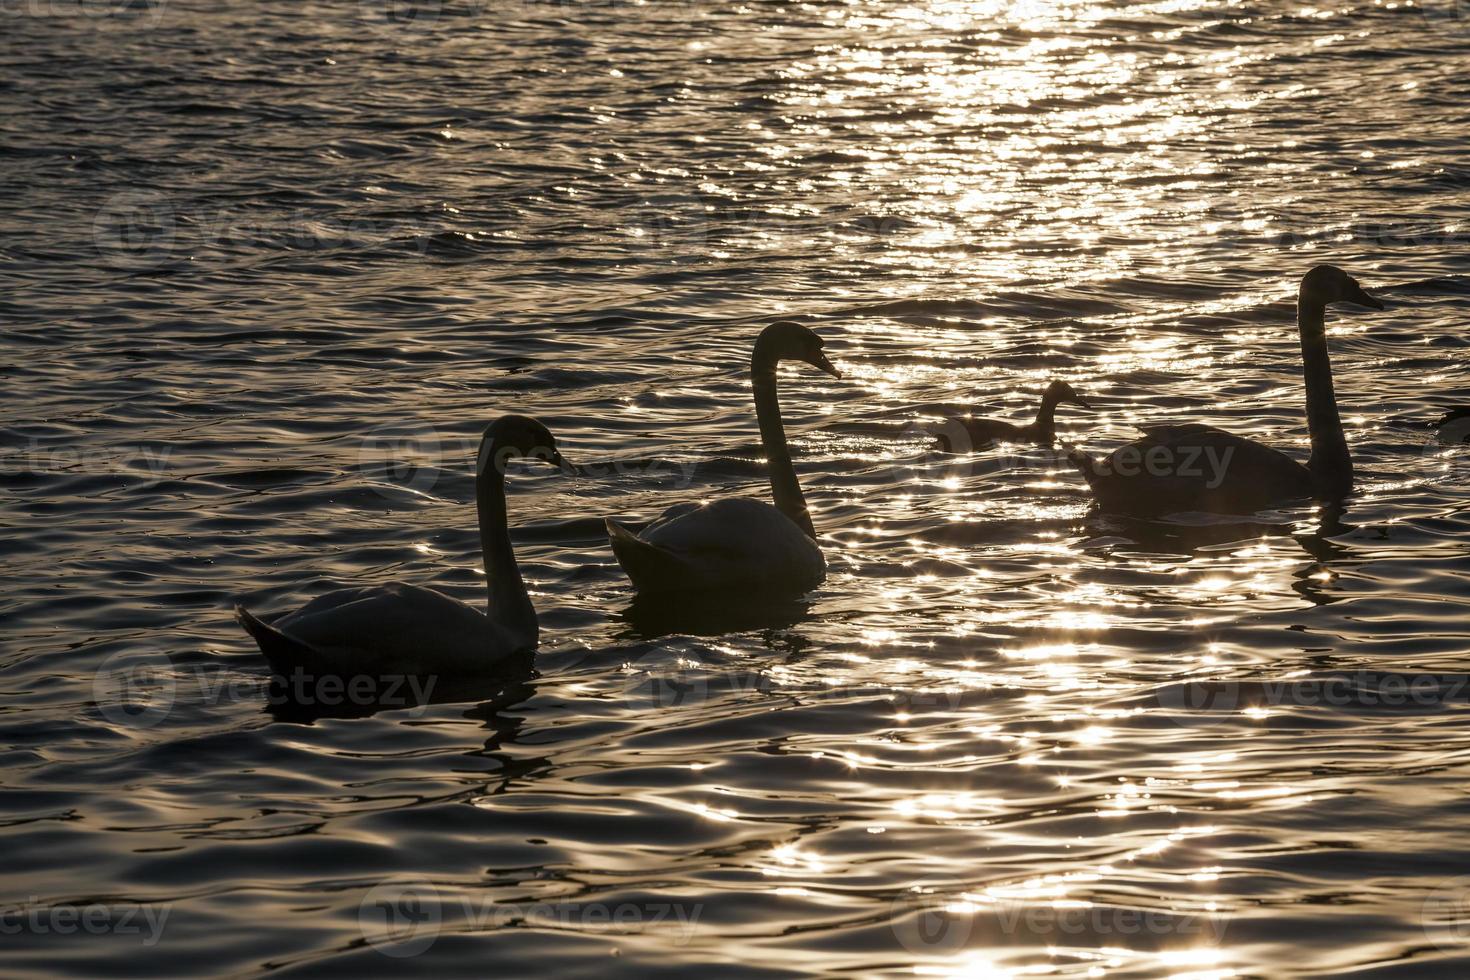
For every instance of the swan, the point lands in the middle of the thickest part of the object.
(739, 543)
(1195, 467)
(408, 629)
(983, 432)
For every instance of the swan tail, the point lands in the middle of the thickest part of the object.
(650, 567)
(1087, 466)
(281, 652)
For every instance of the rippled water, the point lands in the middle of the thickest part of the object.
(267, 271)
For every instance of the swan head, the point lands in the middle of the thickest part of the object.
(1059, 391)
(518, 436)
(786, 340)
(1329, 284)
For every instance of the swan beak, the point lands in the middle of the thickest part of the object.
(821, 363)
(561, 463)
(1083, 402)
(1364, 299)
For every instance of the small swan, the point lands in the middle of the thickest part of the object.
(739, 543)
(979, 433)
(1195, 467)
(408, 629)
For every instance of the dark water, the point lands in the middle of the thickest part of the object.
(266, 271)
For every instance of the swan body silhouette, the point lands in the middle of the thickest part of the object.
(1195, 467)
(409, 629)
(978, 433)
(738, 543)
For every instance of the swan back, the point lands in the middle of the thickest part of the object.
(728, 544)
(1192, 467)
(394, 628)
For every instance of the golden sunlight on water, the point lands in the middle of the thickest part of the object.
(269, 270)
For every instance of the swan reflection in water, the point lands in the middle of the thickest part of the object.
(303, 698)
(1192, 535)
(489, 699)
(651, 617)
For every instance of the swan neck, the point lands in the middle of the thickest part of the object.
(508, 604)
(1331, 464)
(1046, 417)
(785, 490)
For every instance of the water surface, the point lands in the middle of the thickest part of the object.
(269, 268)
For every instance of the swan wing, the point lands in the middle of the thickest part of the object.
(672, 514)
(1195, 467)
(959, 434)
(1252, 459)
(734, 543)
(407, 629)
(1180, 430)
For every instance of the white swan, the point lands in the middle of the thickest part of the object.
(739, 543)
(1195, 467)
(408, 629)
